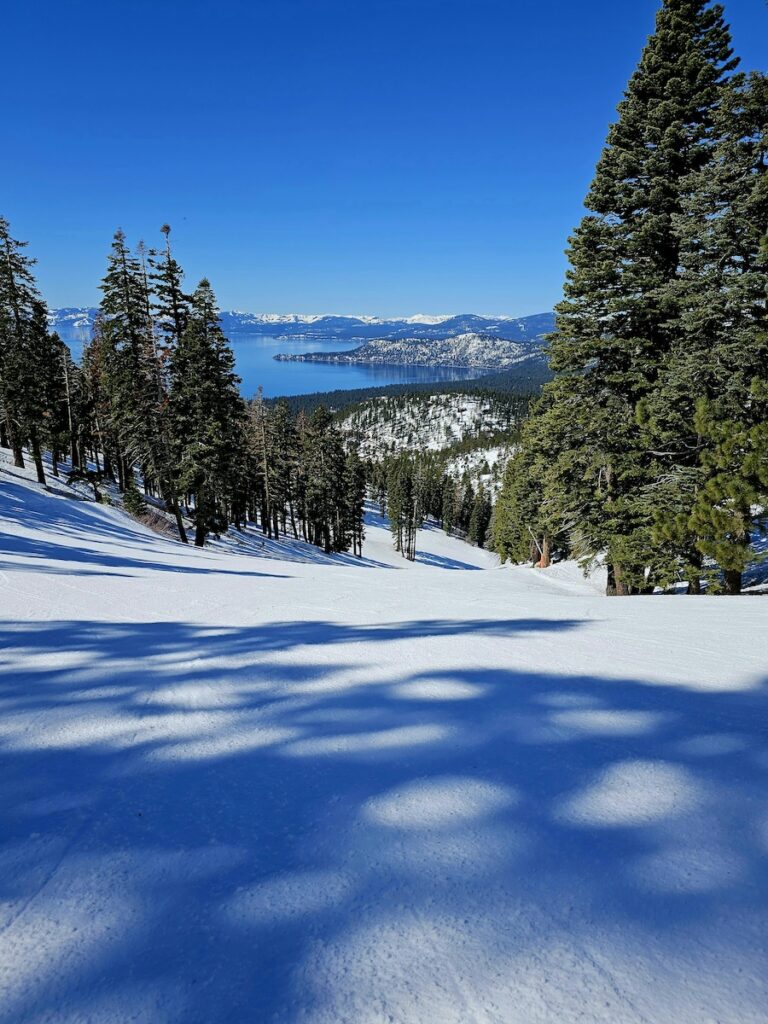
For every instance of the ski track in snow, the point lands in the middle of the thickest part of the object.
(258, 783)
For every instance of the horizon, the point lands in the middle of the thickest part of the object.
(403, 157)
(434, 317)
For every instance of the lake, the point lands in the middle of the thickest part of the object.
(256, 366)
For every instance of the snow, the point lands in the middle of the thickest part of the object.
(265, 784)
(425, 423)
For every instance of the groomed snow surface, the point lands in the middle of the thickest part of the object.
(261, 784)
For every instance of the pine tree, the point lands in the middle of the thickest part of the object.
(207, 415)
(448, 502)
(28, 356)
(405, 504)
(355, 479)
(130, 368)
(480, 518)
(621, 311)
(707, 393)
(323, 484)
(171, 304)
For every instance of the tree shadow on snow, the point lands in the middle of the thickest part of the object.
(203, 830)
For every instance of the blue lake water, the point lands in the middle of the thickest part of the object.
(256, 365)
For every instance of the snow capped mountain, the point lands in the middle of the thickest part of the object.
(74, 318)
(80, 319)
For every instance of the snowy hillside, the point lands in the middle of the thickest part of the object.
(482, 351)
(264, 784)
(381, 426)
(483, 464)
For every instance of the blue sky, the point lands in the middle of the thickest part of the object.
(373, 156)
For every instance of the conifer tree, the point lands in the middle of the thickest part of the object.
(708, 390)
(28, 356)
(621, 312)
(130, 377)
(355, 479)
(480, 518)
(405, 505)
(207, 415)
(323, 490)
(171, 304)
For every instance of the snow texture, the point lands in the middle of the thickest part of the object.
(263, 784)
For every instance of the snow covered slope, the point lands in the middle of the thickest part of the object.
(418, 422)
(482, 351)
(260, 784)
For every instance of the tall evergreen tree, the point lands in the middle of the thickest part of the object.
(621, 312)
(480, 518)
(29, 357)
(708, 390)
(207, 415)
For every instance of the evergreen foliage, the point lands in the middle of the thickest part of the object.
(636, 450)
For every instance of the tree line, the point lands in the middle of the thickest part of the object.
(154, 407)
(650, 445)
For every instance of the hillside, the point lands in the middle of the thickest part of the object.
(261, 783)
(480, 351)
(426, 422)
(470, 434)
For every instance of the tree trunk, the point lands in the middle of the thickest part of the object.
(616, 586)
(4, 442)
(545, 560)
(15, 444)
(293, 520)
(179, 523)
(200, 533)
(38, 458)
(694, 574)
(733, 580)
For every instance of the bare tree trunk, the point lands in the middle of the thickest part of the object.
(179, 523)
(615, 586)
(37, 456)
(545, 560)
(733, 582)
(72, 441)
(15, 443)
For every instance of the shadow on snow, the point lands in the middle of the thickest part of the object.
(212, 820)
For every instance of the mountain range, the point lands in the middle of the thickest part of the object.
(79, 320)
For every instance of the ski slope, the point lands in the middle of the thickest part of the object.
(257, 783)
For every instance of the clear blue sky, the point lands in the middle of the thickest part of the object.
(377, 156)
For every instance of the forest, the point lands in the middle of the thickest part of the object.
(155, 408)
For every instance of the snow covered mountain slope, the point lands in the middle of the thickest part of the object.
(418, 422)
(259, 784)
(483, 351)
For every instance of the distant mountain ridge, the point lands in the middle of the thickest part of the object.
(479, 351)
(527, 329)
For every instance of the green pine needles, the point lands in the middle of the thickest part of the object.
(649, 446)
